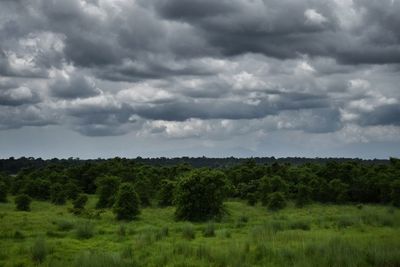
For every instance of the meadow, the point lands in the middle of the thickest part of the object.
(314, 235)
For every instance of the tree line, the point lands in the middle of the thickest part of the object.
(126, 185)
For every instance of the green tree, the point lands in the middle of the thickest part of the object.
(72, 190)
(276, 201)
(107, 188)
(395, 194)
(200, 194)
(57, 194)
(269, 185)
(126, 206)
(166, 193)
(338, 190)
(23, 202)
(3, 192)
(303, 195)
(143, 189)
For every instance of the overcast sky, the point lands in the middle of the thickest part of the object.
(104, 78)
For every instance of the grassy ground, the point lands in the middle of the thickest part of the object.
(317, 235)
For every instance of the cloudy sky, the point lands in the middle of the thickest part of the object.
(103, 78)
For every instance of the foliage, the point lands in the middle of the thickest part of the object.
(23, 202)
(303, 195)
(270, 185)
(126, 206)
(57, 194)
(107, 187)
(200, 194)
(39, 250)
(166, 193)
(395, 194)
(84, 230)
(276, 201)
(80, 202)
(3, 192)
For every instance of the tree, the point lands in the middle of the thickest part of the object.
(303, 195)
(126, 206)
(107, 190)
(276, 201)
(143, 188)
(80, 202)
(269, 185)
(200, 194)
(72, 190)
(37, 188)
(57, 194)
(338, 190)
(395, 194)
(166, 193)
(3, 192)
(23, 202)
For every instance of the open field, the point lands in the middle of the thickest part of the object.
(316, 235)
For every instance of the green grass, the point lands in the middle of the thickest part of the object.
(316, 235)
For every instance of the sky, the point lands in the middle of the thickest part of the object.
(151, 78)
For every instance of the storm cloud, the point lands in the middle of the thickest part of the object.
(203, 70)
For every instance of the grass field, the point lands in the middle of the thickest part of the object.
(317, 235)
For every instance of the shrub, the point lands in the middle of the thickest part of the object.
(107, 188)
(85, 230)
(57, 194)
(209, 230)
(121, 230)
(200, 194)
(143, 188)
(166, 193)
(188, 232)
(395, 193)
(18, 235)
(39, 250)
(3, 192)
(64, 225)
(80, 202)
(270, 185)
(71, 190)
(23, 202)
(101, 259)
(127, 203)
(303, 195)
(276, 201)
(299, 225)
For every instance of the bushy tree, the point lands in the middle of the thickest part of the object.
(127, 202)
(395, 194)
(338, 190)
(23, 202)
(57, 194)
(37, 188)
(143, 189)
(72, 191)
(200, 194)
(107, 188)
(303, 195)
(269, 185)
(166, 193)
(276, 201)
(3, 192)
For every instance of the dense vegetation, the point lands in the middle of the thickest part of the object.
(248, 213)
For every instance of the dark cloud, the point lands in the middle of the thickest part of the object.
(73, 85)
(212, 70)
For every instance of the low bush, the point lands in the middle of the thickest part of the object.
(188, 232)
(209, 230)
(64, 225)
(85, 230)
(23, 202)
(39, 250)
